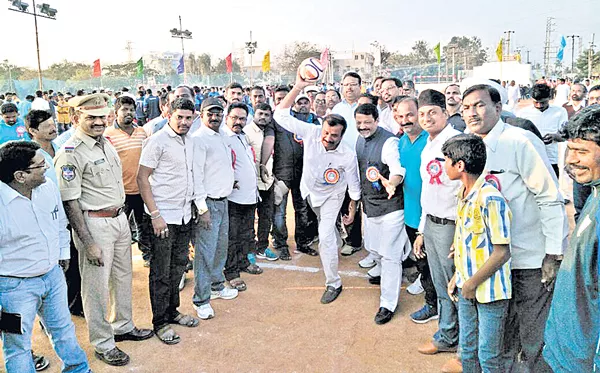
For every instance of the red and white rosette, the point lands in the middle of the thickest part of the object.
(21, 131)
(492, 179)
(331, 176)
(434, 169)
(372, 174)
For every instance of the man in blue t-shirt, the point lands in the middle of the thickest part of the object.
(151, 106)
(140, 115)
(12, 127)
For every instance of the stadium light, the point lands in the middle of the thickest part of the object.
(20, 5)
(181, 34)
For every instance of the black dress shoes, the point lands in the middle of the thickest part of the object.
(375, 280)
(383, 316)
(330, 294)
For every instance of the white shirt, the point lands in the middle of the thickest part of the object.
(540, 224)
(549, 121)
(255, 137)
(196, 124)
(39, 103)
(213, 172)
(346, 110)
(513, 94)
(171, 182)
(244, 168)
(387, 122)
(562, 94)
(339, 165)
(438, 194)
(33, 233)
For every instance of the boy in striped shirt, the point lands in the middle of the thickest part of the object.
(481, 284)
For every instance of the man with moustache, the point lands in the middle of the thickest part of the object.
(519, 168)
(287, 150)
(332, 98)
(166, 184)
(380, 174)
(213, 183)
(453, 105)
(329, 169)
(390, 89)
(572, 346)
(411, 145)
(91, 185)
(12, 127)
(408, 88)
(351, 83)
(577, 102)
(255, 133)
(242, 200)
(320, 105)
(127, 138)
(42, 129)
(437, 223)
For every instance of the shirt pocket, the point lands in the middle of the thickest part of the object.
(474, 222)
(101, 175)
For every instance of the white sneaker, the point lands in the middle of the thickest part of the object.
(226, 293)
(205, 311)
(415, 288)
(367, 262)
(182, 282)
(375, 271)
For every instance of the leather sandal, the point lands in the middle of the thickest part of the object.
(253, 269)
(238, 283)
(167, 335)
(185, 320)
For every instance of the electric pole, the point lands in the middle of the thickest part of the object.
(573, 51)
(590, 56)
(129, 49)
(507, 53)
(549, 29)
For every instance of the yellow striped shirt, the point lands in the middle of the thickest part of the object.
(483, 219)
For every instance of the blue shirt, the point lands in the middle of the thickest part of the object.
(24, 108)
(50, 172)
(152, 107)
(63, 137)
(410, 158)
(15, 132)
(139, 108)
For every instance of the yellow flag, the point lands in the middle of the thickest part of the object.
(436, 50)
(266, 64)
(499, 53)
(518, 57)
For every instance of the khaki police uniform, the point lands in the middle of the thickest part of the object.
(90, 172)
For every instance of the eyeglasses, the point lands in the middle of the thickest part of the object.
(319, 102)
(211, 114)
(43, 165)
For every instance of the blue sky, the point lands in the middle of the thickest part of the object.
(86, 30)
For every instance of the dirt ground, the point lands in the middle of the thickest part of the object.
(277, 325)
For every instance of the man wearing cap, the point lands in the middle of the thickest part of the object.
(213, 183)
(90, 179)
(330, 168)
(436, 228)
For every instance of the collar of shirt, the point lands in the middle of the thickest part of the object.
(116, 125)
(19, 122)
(474, 189)
(419, 136)
(8, 194)
(208, 131)
(491, 139)
(254, 128)
(228, 132)
(441, 137)
(87, 139)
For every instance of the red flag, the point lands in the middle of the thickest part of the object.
(97, 72)
(325, 57)
(229, 63)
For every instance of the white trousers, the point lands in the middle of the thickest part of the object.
(387, 241)
(329, 238)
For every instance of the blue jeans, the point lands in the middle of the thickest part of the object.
(45, 296)
(305, 221)
(211, 252)
(438, 239)
(481, 334)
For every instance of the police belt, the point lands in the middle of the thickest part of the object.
(112, 212)
(440, 221)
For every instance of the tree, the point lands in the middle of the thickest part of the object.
(66, 70)
(471, 47)
(294, 54)
(221, 67)
(422, 53)
(384, 55)
(581, 64)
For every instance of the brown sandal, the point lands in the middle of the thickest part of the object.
(238, 283)
(253, 269)
(167, 335)
(185, 320)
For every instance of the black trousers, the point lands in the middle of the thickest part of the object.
(354, 231)
(265, 210)
(73, 279)
(305, 218)
(134, 207)
(423, 268)
(241, 238)
(527, 314)
(167, 263)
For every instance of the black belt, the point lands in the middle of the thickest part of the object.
(217, 199)
(441, 221)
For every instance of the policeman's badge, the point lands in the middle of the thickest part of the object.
(68, 172)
